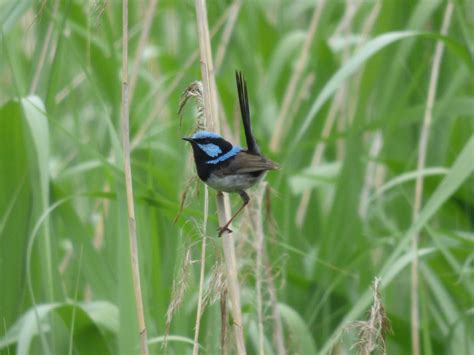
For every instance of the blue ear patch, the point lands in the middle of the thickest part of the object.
(234, 151)
(210, 149)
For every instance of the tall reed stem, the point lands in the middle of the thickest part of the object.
(132, 230)
(211, 110)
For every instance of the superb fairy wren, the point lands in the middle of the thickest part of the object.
(226, 167)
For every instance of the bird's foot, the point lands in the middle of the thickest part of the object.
(223, 229)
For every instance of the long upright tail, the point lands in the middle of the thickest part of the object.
(252, 145)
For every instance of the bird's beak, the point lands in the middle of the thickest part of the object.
(187, 139)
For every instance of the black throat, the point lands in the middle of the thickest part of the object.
(201, 158)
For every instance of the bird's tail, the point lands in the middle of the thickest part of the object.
(252, 145)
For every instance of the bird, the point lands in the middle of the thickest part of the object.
(227, 167)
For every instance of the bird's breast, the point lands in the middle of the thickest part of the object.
(232, 183)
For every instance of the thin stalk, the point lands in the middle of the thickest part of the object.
(132, 231)
(424, 135)
(295, 78)
(232, 17)
(211, 110)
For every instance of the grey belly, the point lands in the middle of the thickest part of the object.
(232, 183)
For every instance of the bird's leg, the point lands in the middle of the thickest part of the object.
(246, 200)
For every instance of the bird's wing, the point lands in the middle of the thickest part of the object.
(244, 163)
(252, 145)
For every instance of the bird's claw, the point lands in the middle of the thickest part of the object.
(223, 229)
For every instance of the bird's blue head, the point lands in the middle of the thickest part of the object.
(211, 148)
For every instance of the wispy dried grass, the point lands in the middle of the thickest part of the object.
(372, 332)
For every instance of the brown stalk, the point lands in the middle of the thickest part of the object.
(424, 135)
(132, 230)
(211, 109)
(202, 124)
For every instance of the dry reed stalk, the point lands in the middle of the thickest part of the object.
(233, 12)
(424, 135)
(211, 109)
(216, 284)
(149, 14)
(290, 91)
(132, 230)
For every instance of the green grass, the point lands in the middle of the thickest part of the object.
(65, 279)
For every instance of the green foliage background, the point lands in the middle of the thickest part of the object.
(64, 259)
